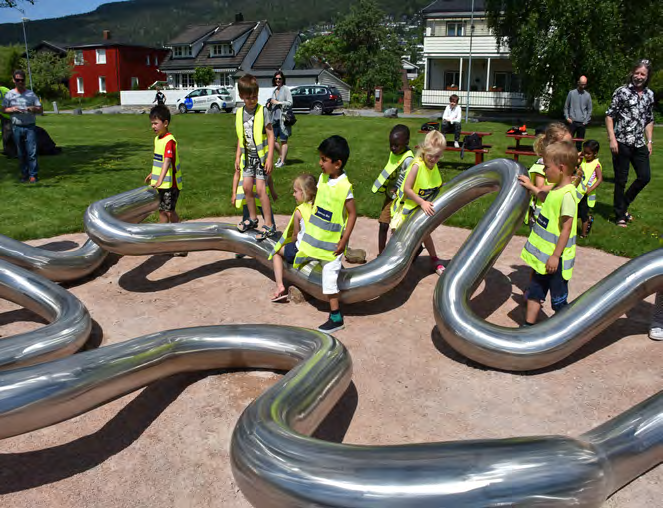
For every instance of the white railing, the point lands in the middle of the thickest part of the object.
(480, 100)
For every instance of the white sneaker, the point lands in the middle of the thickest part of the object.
(279, 164)
(456, 144)
(656, 333)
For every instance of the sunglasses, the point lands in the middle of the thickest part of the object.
(19, 80)
(278, 79)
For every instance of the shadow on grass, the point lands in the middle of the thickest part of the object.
(91, 159)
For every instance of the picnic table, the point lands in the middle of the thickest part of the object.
(524, 150)
(479, 153)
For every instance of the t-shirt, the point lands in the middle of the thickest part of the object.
(160, 98)
(569, 206)
(248, 119)
(300, 235)
(21, 100)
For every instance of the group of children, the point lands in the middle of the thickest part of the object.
(320, 228)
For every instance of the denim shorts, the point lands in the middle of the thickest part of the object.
(553, 282)
(278, 132)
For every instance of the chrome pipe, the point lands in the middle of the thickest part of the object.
(69, 327)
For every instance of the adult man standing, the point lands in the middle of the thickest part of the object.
(22, 104)
(8, 148)
(629, 120)
(578, 110)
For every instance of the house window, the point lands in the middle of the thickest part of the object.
(222, 50)
(79, 85)
(102, 84)
(148, 60)
(224, 79)
(181, 51)
(78, 58)
(134, 84)
(101, 56)
(455, 29)
(187, 81)
(155, 60)
(451, 79)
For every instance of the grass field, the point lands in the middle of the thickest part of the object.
(105, 155)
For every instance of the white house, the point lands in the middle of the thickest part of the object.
(453, 35)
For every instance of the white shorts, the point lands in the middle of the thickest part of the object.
(330, 273)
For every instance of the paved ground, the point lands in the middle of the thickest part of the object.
(167, 445)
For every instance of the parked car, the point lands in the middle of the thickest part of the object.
(321, 98)
(211, 97)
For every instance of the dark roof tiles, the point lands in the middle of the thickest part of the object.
(454, 6)
(193, 33)
(275, 51)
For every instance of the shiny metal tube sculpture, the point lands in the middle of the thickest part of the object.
(70, 322)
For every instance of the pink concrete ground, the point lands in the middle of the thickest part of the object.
(167, 445)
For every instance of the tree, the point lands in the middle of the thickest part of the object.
(553, 42)
(50, 73)
(362, 50)
(14, 3)
(203, 76)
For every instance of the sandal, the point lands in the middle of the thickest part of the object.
(267, 232)
(622, 223)
(438, 267)
(279, 297)
(628, 217)
(247, 225)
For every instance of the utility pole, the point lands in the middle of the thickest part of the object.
(469, 68)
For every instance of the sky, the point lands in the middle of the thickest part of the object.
(43, 9)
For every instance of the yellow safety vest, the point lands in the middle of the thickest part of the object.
(3, 92)
(395, 161)
(543, 239)
(157, 164)
(287, 237)
(428, 181)
(260, 140)
(326, 223)
(588, 179)
(535, 204)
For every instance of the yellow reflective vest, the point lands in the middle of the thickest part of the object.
(588, 179)
(326, 223)
(287, 237)
(159, 159)
(3, 92)
(535, 205)
(395, 162)
(543, 239)
(426, 184)
(260, 140)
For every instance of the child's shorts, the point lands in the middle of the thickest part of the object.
(254, 169)
(330, 273)
(290, 250)
(553, 282)
(168, 199)
(385, 215)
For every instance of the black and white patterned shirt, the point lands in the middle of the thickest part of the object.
(631, 113)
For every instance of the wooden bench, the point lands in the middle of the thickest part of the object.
(524, 150)
(478, 153)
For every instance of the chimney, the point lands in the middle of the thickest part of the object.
(239, 17)
(107, 35)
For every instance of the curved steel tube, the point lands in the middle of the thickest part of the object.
(277, 465)
(70, 322)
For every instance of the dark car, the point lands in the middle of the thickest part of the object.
(321, 98)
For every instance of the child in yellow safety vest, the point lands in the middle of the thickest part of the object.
(420, 185)
(304, 190)
(166, 174)
(592, 176)
(392, 176)
(551, 247)
(330, 225)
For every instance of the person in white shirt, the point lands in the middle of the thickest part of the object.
(451, 119)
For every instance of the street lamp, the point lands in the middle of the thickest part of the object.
(27, 53)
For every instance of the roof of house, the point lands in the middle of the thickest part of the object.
(275, 52)
(232, 31)
(194, 33)
(63, 47)
(454, 6)
(219, 62)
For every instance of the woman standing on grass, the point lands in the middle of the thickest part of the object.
(280, 102)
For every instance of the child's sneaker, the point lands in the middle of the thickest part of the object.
(656, 333)
(456, 145)
(331, 326)
(438, 267)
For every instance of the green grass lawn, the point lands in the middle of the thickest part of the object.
(106, 155)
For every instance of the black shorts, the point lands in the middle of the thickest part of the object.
(290, 251)
(553, 282)
(168, 199)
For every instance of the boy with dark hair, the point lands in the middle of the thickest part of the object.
(451, 119)
(166, 175)
(389, 180)
(254, 156)
(591, 178)
(331, 223)
(551, 247)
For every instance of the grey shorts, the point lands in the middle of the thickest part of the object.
(168, 199)
(254, 169)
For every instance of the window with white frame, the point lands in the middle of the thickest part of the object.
(222, 50)
(187, 81)
(224, 79)
(155, 60)
(451, 79)
(455, 29)
(79, 85)
(134, 83)
(181, 51)
(102, 84)
(148, 60)
(78, 57)
(502, 81)
(101, 56)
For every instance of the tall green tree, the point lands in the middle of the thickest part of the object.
(553, 42)
(50, 73)
(203, 76)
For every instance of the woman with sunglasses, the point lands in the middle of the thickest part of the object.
(281, 100)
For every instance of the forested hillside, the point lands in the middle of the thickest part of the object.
(155, 22)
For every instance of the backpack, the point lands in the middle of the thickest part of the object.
(472, 142)
(289, 118)
(431, 126)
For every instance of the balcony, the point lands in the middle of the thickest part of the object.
(478, 100)
(482, 46)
